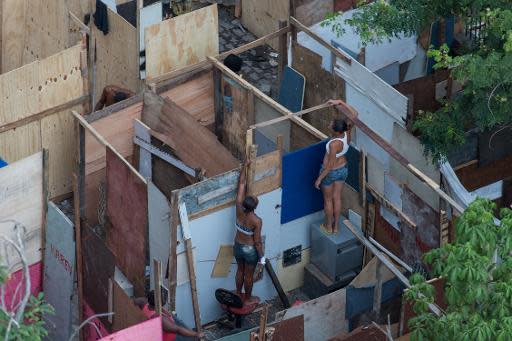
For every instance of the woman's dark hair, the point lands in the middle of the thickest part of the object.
(234, 63)
(250, 203)
(339, 126)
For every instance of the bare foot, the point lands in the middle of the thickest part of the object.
(324, 228)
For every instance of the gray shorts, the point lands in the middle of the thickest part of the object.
(334, 175)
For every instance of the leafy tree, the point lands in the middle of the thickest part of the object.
(484, 68)
(477, 269)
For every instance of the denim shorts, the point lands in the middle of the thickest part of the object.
(334, 175)
(245, 254)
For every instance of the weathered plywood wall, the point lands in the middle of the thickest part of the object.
(236, 118)
(126, 313)
(261, 17)
(21, 200)
(184, 40)
(310, 12)
(36, 29)
(127, 212)
(31, 89)
(117, 55)
(117, 129)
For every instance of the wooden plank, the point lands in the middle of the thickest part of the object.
(283, 51)
(218, 103)
(296, 114)
(78, 245)
(266, 99)
(391, 255)
(223, 261)
(324, 317)
(126, 313)
(319, 39)
(117, 55)
(192, 143)
(194, 33)
(21, 200)
(141, 131)
(215, 194)
(275, 281)
(263, 322)
(193, 285)
(13, 34)
(377, 292)
(386, 203)
(262, 17)
(157, 275)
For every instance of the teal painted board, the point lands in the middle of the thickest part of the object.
(291, 91)
(59, 269)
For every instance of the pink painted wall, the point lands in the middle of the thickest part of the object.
(36, 284)
(90, 333)
(150, 330)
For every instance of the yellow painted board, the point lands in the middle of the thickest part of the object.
(223, 262)
(181, 41)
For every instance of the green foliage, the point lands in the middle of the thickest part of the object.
(32, 327)
(485, 69)
(478, 290)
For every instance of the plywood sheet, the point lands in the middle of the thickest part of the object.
(235, 118)
(196, 97)
(159, 214)
(117, 55)
(127, 212)
(126, 313)
(324, 317)
(59, 272)
(98, 267)
(192, 143)
(13, 34)
(261, 17)
(184, 40)
(21, 200)
(223, 261)
(20, 143)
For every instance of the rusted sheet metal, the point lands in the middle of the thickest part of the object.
(127, 212)
(289, 330)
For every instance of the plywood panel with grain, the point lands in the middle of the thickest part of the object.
(196, 97)
(117, 55)
(261, 17)
(21, 200)
(13, 34)
(184, 40)
(19, 143)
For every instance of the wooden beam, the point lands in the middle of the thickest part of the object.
(258, 42)
(289, 116)
(173, 255)
(390, 255)
(389, 205)
(282, 110)
(263, 323)
(377, 291)
(218, 103)
(79, 22)
(282, 295)
(435, 309)
(94, 116)
(283, 51)
(352, 114)
(215, 193)
(104, 142)
(78, 248)
(157, 271)
(39, 116)
(319, 39)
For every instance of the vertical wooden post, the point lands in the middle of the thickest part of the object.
(238, 8)
(444, 228)
(377, 293)
(283, 51)
(249, 138)
(78, 250)
(362, 177)
(173, 260)
(370, 227)
(157, 271)
(46, 179)
(251, 171)
(263, 323)
(251, 118)
(217, 101)
(84, 69)
(110, 298)
(293, 29)
(279, 146)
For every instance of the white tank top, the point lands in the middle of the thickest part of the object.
(345, 145)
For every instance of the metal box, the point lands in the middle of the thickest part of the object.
(336, 255)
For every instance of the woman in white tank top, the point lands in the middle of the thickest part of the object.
(334, 173)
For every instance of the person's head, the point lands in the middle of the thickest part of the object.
(250, 203)
(234, 63)
(120, 96)
(338, 127)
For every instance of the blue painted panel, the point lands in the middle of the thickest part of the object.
(291, 91)
(2, 163)
(361, 299)
(300, 170)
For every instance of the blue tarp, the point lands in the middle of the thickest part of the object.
(2, 163)
(300, 170)
(291, 91)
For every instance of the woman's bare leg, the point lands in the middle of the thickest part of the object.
(337, 191)
(328, 206)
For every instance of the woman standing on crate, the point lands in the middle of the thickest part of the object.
(248, 247)
(334, 171)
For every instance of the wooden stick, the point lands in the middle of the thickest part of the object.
(39, 116)
(319, 39)
(263, 323)
(283, 52)
(104, 142)
(79, 22)
(78, 248)
(282, 295)
(84, 70)
(289, 116)
(110, 299)
(157, 279)
(377, 291)
(278, 107)
(173, 261)
(390, 254)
